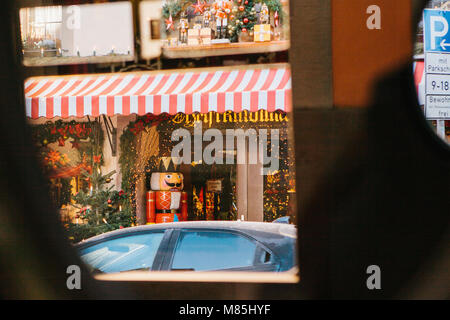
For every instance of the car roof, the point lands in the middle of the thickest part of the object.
(256, 229)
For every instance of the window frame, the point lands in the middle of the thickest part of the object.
(314, 12)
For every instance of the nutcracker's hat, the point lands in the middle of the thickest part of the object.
(167, 164)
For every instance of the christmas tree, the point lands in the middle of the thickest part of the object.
(243, 19)
(101, 208)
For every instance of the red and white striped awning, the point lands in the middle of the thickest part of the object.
(419, 79)
(219, 89)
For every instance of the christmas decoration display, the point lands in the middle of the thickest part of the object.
(183, 29)
(199, 7)
(173, 8)
(221, 10)
(194, 37)
(76, 182)
(129, 153)
(262, 32)
(264, 15)
(169, 23)
(279, 187)
(244, 19)
(205, 36)
(53, 140)
(55, 159)
(166, 202)
(61, 132)
(101, 208)
(222, 20)
(207, 18)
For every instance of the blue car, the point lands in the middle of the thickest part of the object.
(193, 246)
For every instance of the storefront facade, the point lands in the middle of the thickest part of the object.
(138, 114)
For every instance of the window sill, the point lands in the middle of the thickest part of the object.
(192, 276)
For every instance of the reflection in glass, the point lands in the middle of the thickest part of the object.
(123, 254)
(204, 251)
(77, 34)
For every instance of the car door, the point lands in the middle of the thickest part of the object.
(128, 252)
(214, 250)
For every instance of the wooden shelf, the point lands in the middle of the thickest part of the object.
(198, 51)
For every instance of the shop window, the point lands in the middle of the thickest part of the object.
(432, 66)
(202, 28)
(211, 145)
(80, 33)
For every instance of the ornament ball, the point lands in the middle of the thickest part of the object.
(245, 20)
(241, 8)
(244, 30)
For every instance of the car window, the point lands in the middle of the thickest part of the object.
(123, 254)
(212, 250)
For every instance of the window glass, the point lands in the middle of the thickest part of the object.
(203, 251)
(432, 66)
(123, 254)
(81, 33)
(185, 132)
(201, 28)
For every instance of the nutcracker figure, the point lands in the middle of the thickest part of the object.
(183, 28)
(221, 10)
(206, 18)
(166, 202)
(264, 15)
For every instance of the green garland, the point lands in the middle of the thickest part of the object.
(274, 5)
(87, 136)
(128, 153)
(174, 8)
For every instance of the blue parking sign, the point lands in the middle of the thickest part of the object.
(436, 30)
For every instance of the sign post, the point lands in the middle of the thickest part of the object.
(437, 63)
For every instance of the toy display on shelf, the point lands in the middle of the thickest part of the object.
(262, 33)
(218, 23)
(221, 10)
(183, 27)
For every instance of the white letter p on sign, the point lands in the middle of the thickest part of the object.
(434, 20)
